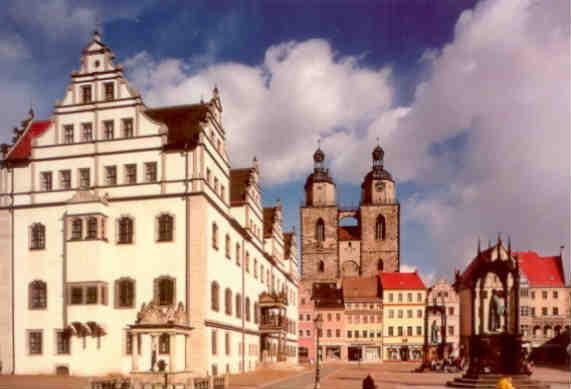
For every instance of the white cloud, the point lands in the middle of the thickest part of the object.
(12, 48)
(503, 82)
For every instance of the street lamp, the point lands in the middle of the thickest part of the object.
(318, 323)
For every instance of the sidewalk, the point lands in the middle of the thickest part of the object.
(266, 376)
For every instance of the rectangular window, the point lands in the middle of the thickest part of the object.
(46, 181)
(87, 132)
(349, 334)
(91, 295)
(227, 342)
(62, 342)
(451, 330)
(131, 173)
(65, 179)
(329, 333)
(84, 179)
(128, 128)
(129, 343)
(555, 311)
(533, 295)
(364, 332)
(111, 175)
(390, 297)
(400, 313)
(150, 171)
(68, 134)
(419, 313)
(86, 94)
(555, 294)
(109, 91)
(544, 311)
(391, 333)
(544, 294)
(35, 343)
(451, 311)
(400, 297)
(409, 314)
(338, 333)
(391, 313)
(76, 295)
(532, 311)
(419, 297)
(418, 330)
(214, 342)
(356, 334)
(409, 331)
(109, 129)
(399, 331)
(409, 297)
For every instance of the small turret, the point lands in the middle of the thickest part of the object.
(319, 186)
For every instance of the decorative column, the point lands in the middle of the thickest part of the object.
(134, 353)
(172, 353)
(187, 352)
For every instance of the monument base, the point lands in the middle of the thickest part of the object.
(489, 381)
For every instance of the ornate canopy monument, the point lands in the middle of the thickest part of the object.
(489, 328)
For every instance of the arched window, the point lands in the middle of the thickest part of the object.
(380, 265)
(247, 309)
(166, 228)
(165, 290)
(557, 330)
(321, 266)
(38, 295)
(237, 254)
(92, 228)
(125, 293)
(380, 228)
(228, 301)
(38, 236)
(214, 296)
(247, 262)
(238, 306)
(125, 230)
(547, 331)
(77, 229)
(215, 236)
(536, 331)
(320, 230)
(164, 344)
(227, 246)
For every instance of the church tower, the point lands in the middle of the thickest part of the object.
(319, 224)
(380, 219)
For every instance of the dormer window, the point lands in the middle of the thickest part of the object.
(86, 94)
(109, 91)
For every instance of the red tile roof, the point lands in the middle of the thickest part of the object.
(349, 233)
(23, 147)
(361, 287)
(395, 280)
(541, 271)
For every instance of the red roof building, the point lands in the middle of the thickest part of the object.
(541, 271)
(390, 280)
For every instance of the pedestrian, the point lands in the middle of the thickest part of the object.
(369, 382)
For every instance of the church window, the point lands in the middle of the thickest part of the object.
(380, 228)
(76, 229)
(320, 230)
(238, 306)
(228, 301)
(380, 265)
(215, 236)
(164, 344)
(109, 91)
(125, 230)
(86, 94)
(38, 236)
(321, 266)
(92, 228)
(214, 296)
(125, 293)
(166, 228)
(165, 290)
(128, 128)
(38, 292)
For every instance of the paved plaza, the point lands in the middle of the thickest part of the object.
(334, 376)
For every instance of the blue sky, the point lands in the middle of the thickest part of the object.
(470, 99)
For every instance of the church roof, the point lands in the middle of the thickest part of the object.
(397, 280)
(361, 287)
(327, 295)
(377, 174)
(541, 271)
(239, 181)
(318, 176)
(349, 233)
(182, 122)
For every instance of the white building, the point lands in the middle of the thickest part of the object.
(109, 205)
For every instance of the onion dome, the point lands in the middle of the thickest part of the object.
(378, 153)
(318, 156)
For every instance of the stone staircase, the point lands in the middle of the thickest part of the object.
(489, 381)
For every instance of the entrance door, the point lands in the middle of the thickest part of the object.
(354, 353)
(404, 353)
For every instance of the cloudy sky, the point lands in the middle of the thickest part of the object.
(470, 100)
